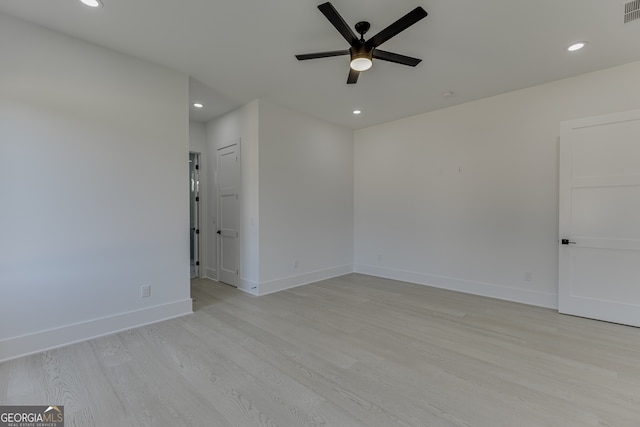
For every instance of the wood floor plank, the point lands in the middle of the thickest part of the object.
(24, 381)
(350, 351)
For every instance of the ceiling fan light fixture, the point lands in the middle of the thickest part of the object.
(361, 64)
(361, 51)
(361, 59)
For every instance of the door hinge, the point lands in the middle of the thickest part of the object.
(197, 199)
(198, 231)
(197, 262)
(237, 272)
(197, 166)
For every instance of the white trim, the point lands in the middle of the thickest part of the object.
(232, 142)
(24, 345)
(611, 118)
(525, 296)
(276, 285)
(249, 287)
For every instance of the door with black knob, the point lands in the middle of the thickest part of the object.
(600, 218)
(228, 178)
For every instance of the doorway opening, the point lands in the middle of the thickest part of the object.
(194, 208)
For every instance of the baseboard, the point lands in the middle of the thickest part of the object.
(248, 286)
(24, 345)
(540, 299)
(272, 286)
(245, 285)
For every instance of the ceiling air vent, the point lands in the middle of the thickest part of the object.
(631, 11)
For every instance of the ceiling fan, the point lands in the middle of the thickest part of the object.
(362, 52)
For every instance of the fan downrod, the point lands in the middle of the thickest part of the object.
(362, 27)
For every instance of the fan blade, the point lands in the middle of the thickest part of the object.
(353, 76)
(400, 25)
(396, 57)
(304, 56)
(334, 17)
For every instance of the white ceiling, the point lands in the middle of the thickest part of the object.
(239, 50)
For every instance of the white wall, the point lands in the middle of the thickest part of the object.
(197, 137)
(306, 199)
(466, 198)
(93, 173)
(297, 198)
(240, 124)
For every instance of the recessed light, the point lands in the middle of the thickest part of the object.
(198, 104)
(92, 3)
(356, 112)
(576, 46)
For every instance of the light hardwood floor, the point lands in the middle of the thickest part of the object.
(350, 351)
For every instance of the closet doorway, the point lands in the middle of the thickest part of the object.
(194, 208)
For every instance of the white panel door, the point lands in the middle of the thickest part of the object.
(228, 172)
(599, 273)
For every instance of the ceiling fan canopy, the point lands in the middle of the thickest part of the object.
(362, 52)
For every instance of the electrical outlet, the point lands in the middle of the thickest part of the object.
(145, 291)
